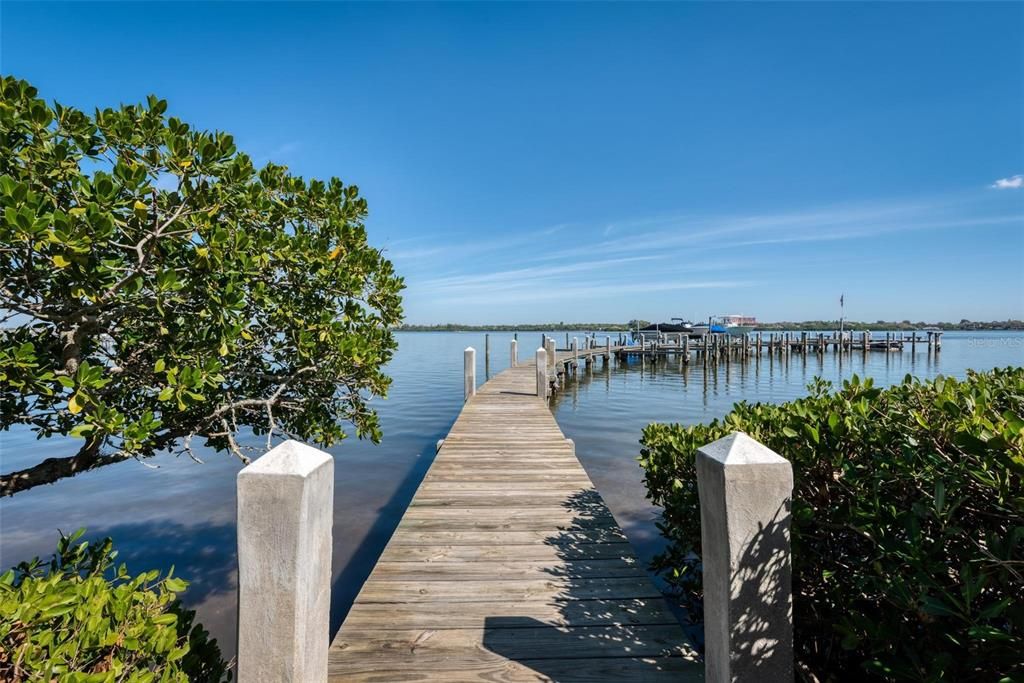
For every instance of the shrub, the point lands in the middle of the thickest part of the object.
(81, 620)
(907, 523)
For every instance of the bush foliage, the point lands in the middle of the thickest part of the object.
(80, 619)
(907, 523)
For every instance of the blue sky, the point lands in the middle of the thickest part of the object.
(600, 162)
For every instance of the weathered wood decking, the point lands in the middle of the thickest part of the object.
(508, 566)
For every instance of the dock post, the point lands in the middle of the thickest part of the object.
(469, 371)
(551, 352)
(566, 340)
(938, 342)
(513, 354)
(575, 348)
(285, 514)
(866, 340)
(607, 350)
(487, 348)
(745, 492)
(542, 373)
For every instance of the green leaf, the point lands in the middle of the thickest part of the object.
(935, 606)
(175, 585)
(812, 432)
(165, 619)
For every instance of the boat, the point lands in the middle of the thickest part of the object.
(677, 326)
(733, 325)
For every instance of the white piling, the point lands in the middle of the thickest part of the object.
(542, 373)
(285, 515)
(745, 496)
(469, 371)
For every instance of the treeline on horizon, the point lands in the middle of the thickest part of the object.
(811, 325)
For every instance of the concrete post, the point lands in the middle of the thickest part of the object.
(551, 352)
(285, 515)
(542, 373)
(469, 371)
(608, 348)
(513, 353)
(745, 493)
(575, 348)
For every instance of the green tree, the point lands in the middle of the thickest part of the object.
(158, 288)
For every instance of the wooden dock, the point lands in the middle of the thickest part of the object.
(508, 566)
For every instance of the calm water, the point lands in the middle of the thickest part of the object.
(183, 514)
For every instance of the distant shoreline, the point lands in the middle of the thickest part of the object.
(826, 325)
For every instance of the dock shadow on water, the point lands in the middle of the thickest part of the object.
(612, 622)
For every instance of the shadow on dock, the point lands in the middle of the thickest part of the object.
(613, 624)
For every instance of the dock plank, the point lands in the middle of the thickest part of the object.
(508, 566)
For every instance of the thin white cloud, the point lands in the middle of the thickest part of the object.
(528, 277)
(1012, 183)
(523, 273)
(844, 221)
(453, 251)
(576, 293)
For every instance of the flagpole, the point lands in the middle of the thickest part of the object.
(841, 329)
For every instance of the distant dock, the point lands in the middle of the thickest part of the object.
(713, 349)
